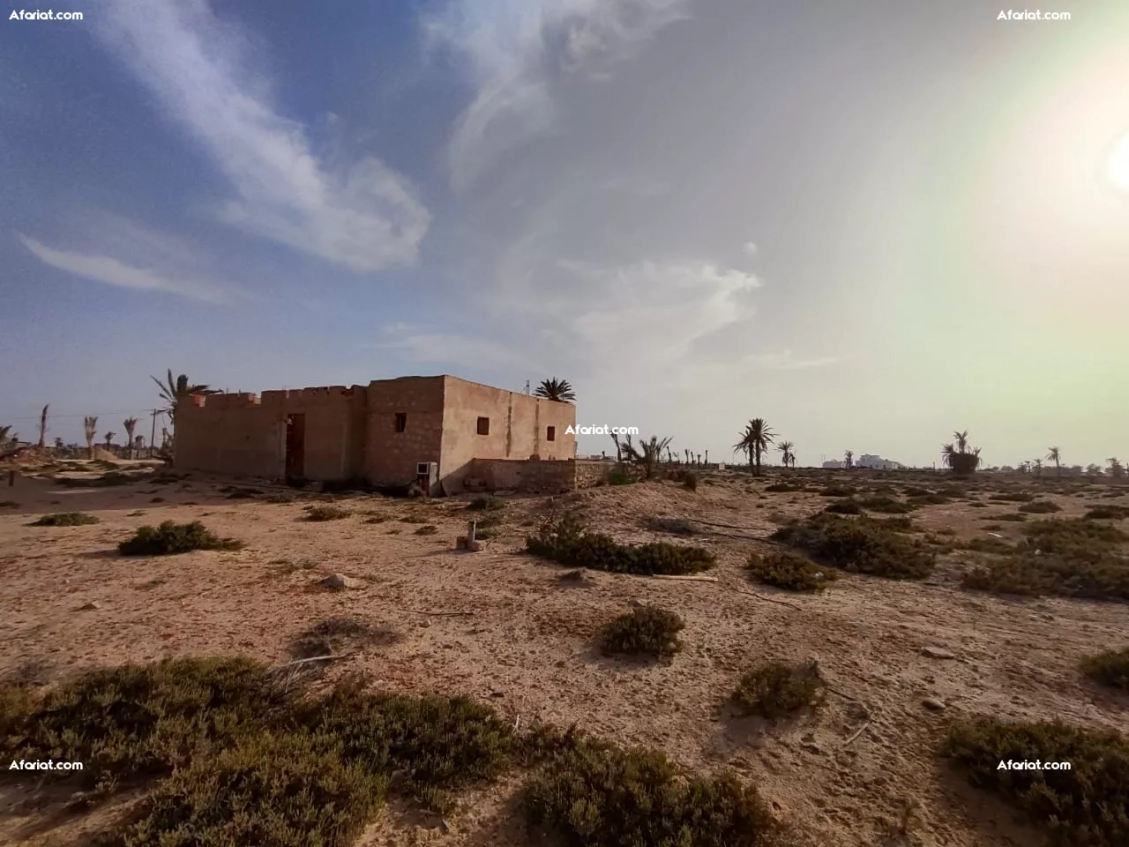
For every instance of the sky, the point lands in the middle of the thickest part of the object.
(870, 223)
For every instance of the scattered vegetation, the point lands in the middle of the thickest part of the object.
(645, 631)
(1086, 805)
(844, 507)
(1110, 668)
(428, 529)
(776, 690)
(335, 635)
(9, 504)
(413, 519)
(566, 542)
(929, 498)
(790, 571)
(1107, 513)
(860, 545)
(1012, 497)
(486, 504)
(989, 545)
(326, 513)
(675, 526)
(172, 538)
(1040, 507)
(65, 519)
(837, 491)
(106, 480)
(886, 505)
(783, 487)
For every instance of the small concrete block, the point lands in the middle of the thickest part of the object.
(474, 546)
(461, 542)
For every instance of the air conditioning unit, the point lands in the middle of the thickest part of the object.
(427, 477)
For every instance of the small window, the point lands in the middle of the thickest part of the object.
(551, 435)
(401, 421)
(484, 426)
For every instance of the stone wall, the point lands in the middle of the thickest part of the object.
(591, 472)
(533, 476)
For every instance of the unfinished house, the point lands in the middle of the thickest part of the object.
(444, 433)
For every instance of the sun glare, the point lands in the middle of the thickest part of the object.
(1119, 164)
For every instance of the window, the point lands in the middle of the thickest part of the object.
(551, 435)
(484, 426)
(401, 421)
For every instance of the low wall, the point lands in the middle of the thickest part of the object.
(535, 476)
(591, 472)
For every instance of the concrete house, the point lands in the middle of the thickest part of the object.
(454, 434)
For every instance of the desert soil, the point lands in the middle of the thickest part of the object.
(501, 626)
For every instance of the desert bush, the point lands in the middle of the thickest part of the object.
(989, 545)
(597, 795)
(690, 481)
(420, 519)
(1014, 517)
(901, 524)
(1012, 497)
(566, 542)
(790, 571)
(646, 631)
(171, 538)
(333, 635)
(783, 487)
(326, 513)
(1107, 513)
(675, 526)
(928, 499)
(291, 790)
(886, 505)
(621, 474)
(776, 690)
(486, 504)
(106, 480)
(859, 545)
(1086, 805)
(844, 507)
(1040, 507)
(837, 491)
(9, 504)
(1110, 668)
(65, 519)
(428, 529)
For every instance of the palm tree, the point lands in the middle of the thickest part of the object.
(555, 389)
(961, 439)
(43, 427)
(90, 428)
(849, 459)
(5, 434)
(129, 424)
(958, 458)
(786, 450)
(1116, 469)
(647, 454)
(754, 441)
(175, 390)
(1055, 455)
(109, 436)
(1038, 463)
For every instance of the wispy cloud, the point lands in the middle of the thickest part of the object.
(364, 217)
(787, 361)
(516, 49)
(428, 347)
(120, 275)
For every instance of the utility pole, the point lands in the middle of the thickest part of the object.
(153, 431)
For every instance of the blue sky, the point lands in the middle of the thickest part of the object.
(870, 222)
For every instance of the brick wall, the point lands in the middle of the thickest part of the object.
(390, 456)
(545, 476)
(590, 472)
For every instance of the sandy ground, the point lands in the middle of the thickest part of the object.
(524, 642)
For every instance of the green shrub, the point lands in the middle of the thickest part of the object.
(65, 519)
(621, 475)
(859, 545)
(566, 542)
(776, 690)
(790, 571)
(1110, 668)
(326, 513)
(886, 505)
(1107, 513)
(837, 491)
(486, 504)
(1040, 507)
(292, 790)
(675, 526)
(1087, 805)
(844, 507)
(596, 795)
(172, 538)
(646, 631)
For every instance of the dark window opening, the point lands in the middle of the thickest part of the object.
(401, 421)
(551, 435)
(484, 426)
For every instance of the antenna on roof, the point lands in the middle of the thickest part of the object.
(527, 386)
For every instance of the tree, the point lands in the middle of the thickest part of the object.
(555, 389)
(647, 454)
(849, 459)
(958, 458)
(1055, 455)
(6, 433)
(58, 443)
(786, 451)
(109, 436)
(1038, 463)
(175, 390)
(43, 427)
(90, 428)
(129, 425)
(1093, 469)
(1116, 470)
(754, 441)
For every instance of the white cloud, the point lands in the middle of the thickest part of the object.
(364, 217)
(750, 248)
(113, 272)
(515, 50)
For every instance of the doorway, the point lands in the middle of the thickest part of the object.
(295, 447)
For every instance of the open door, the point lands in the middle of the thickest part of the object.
(295, 447)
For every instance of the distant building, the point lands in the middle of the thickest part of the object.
(877, 463)
(834, 463)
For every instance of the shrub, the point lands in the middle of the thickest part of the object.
(928, 499)
(326, 513)
(172, 538)
(1110, 668)
(886, 505)
(675, 526)
(333, 635)
(596, 795)
(1107, 513)
(1040, 507)
(782, 487)
(901, 524)
(429, 529)
(1014, 517)
(621, 475)
(65, 519)
(420, 519)
(690, 481)
(844, 507)
(1087, 805)
(791, 571)
(860, 545)
(567, 543)
(777, 690)
(989, 545)
(837, 491)
(288, 791)
(486, 504)
(1012, 497)
(646, 631)
(9, 504)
